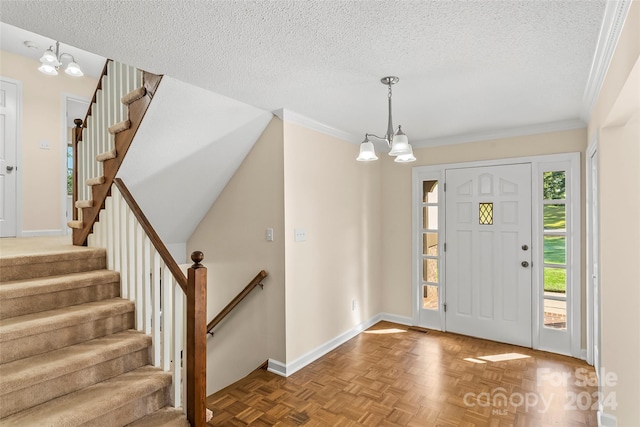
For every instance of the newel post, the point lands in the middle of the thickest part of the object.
(197, 341)
(76, 137)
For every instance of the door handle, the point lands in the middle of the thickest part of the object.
(525, 264)
(9, 168)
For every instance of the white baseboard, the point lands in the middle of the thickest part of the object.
(39, 233)
(287, 369)
(606, 420)
(277, 368)
(402, 320)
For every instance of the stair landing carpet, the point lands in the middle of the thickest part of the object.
(69, 353)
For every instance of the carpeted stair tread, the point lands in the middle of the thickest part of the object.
(75, 224)
(28, 296)
(116, 401)
(119, 127)
(39, 285)
(45, 321)
(95, 181)
(84, 204)
(165, 417)
(134, 95)
(107, 155)
(31, 381)
(25, 372)
(51, 263)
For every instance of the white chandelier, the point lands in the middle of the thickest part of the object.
(398, 141)
(51, 61)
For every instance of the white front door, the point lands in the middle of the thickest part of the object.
(488, 252)
(8, 158)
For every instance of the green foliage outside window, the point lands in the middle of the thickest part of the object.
(553, 185)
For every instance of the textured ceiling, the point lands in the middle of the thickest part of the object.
(465, 67)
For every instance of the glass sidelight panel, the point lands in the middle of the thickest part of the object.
(430, 217)
(430, 252)
(555, 217)
(430, 297)
(555, 313)
(430, 270)
(554, 185)
(430, 191)
(555, 250)
(555, 280)
(430, 244)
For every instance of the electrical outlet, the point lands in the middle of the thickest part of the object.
(45, 145)
(269, 234)
(354, 305)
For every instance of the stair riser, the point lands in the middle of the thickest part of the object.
(38, 393)
(20, 348)
(46, 266)
(52, 300)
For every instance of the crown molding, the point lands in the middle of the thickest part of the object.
(292, 117)
(615, 13)
(503, 133)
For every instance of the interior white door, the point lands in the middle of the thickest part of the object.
(488, 252)
(8, 158)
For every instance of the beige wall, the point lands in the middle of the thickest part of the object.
(396, 196)
(337, 201)
(614, 122)
(43, 172)
(293, 177)
(232, 236)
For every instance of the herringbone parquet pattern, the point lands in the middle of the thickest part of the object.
(390, 376)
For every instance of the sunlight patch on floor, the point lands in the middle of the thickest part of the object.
(385, 331)
(497, 358)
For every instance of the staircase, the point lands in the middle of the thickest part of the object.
(69, 355)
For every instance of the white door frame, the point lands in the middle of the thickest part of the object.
(593, 236)
(438, 170)
(18, 169)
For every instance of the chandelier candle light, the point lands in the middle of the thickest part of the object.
(51, 61)
(398, 141)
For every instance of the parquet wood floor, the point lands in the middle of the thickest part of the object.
(390, 375)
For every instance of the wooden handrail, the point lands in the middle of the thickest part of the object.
(234, 302)
(197, 342)
(153, 236)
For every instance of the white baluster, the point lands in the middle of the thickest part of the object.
(132, 254)
(178, 342)
(147, 283)
(167, 321)
(157, 314)
(124, 247)
(109, 226)
(117, 246)
(137, 296)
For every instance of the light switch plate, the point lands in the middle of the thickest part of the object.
(269, 234)
(300, 234)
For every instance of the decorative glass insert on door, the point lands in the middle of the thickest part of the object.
(485, 213)
(430, 241)
(555, 249)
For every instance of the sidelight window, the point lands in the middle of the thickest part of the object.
(429, 242)
(554, 219)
